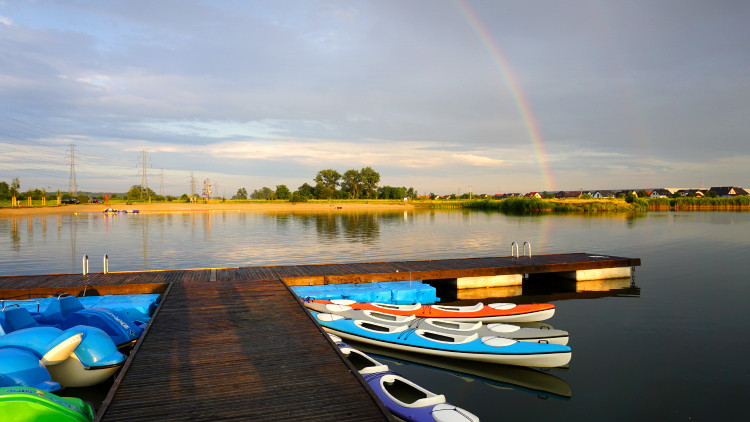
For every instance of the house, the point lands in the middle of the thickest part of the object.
(728, 191)
(533, 195)
(660, 193)
(691, 192)
(573, 194)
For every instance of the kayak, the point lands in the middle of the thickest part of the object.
(402, 397)
(486, 349)
(494, 312)
(540, 383)
(447, 326)
(19, 404)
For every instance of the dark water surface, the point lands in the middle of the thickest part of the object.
(677, 347)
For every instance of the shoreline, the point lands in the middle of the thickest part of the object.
(181, 207)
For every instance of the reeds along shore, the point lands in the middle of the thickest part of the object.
(535, 205)
(510, 205)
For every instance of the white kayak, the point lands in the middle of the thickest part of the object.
(512, 331)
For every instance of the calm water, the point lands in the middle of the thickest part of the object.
(674, 348)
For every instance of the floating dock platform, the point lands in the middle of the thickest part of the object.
(237, 344)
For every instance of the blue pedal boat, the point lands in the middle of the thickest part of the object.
(19, 367)
(80, 356)
(66, 312)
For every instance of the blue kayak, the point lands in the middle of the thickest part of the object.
(402, 397)
(472, 347)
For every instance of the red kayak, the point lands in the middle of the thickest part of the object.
(494, 312)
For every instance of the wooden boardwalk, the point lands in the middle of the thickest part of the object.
(236, 344)
(237, 351)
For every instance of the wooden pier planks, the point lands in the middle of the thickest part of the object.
(238, 351)
(342, 273)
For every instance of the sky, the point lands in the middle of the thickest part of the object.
(445, 96)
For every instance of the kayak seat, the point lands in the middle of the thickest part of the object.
(408, 394)
(474, 308)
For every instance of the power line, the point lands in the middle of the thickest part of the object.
(72, 185)
(144, 177)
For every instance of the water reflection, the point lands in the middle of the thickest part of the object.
(540, 383)
(542, 289)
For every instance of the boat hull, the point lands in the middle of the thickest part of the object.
(494, 312)
(485, 349)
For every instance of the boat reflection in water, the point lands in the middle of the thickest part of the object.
(540, 287)
(518, 378)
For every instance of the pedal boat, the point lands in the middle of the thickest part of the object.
(23, 404)
(486, 349)
(67, 311)
(494, 312)
(80, 356)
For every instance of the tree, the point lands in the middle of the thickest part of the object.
(630, 197)
(329, 178)
(306, 190)
(322, 191)
(136, 192)
(282, 192)
(711, 194)
(390, 192)
(369, 179)
(351, 183)
(262, 193)
(15, 187)
(4, 191)
(241, 194)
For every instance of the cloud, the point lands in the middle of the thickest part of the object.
(270, 89)
(476, 160)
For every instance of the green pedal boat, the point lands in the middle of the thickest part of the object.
(19, 404)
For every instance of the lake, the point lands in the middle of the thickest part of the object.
(672, 347)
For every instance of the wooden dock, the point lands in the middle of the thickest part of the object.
(236, 343)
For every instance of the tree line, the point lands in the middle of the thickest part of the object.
(330, 184)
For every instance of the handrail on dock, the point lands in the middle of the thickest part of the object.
(524, 248)
(513, 246)
(85, 264)
(105, 264)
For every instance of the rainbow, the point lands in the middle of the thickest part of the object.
(522, 104)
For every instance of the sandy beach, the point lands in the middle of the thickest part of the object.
(177, 207)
